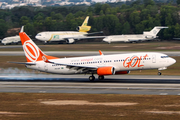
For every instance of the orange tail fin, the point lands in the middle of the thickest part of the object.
(31, 50)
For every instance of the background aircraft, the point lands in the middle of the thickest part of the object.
(134, 37)
(176, 38)
(68, 36)
(101, 65)
(10, 40)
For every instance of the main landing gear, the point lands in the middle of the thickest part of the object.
(92, 78)
(159, 73)
(101, 77)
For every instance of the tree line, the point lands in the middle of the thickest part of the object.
(113, 19)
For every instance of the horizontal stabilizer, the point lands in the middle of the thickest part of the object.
(25, 63)
(161, 27)
(94, 33)
(176, 38)
(154, 31)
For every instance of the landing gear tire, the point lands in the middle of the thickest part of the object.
(91, 78)
(159, 73)
(101, 77)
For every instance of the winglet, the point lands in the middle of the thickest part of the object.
(22, 29)
(100, 52)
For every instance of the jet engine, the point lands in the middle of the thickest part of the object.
(70, 41)
(106, 71)
(149, 37)
(83, 28)
(122, 72)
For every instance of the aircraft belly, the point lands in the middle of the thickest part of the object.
(158, 64)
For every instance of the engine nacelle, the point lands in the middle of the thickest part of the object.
(83, 28)
(70, 41)
(106, 71)
(122, 72)
(149, 37)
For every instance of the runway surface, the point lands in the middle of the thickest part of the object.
(125, 84)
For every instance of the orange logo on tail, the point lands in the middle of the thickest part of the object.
(31, 51)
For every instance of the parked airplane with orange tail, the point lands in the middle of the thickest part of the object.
(102, 64)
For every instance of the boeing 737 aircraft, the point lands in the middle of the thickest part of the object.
(134, 38)
(68, 36)
(102, 65)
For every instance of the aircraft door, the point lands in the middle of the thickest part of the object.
(153, 58)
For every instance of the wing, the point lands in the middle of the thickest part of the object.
(101, 32)
(85, 37)
(74, 66)
(85, 69)
(73, 39)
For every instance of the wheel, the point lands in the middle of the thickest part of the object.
(101, 77)
(91, 78)
(45, 42)
(159, 73)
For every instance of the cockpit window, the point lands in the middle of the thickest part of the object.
(164, 56)
(38, 34)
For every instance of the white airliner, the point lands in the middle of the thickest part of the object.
(68, 36)
(102, 65)
(9, 40)
(134, 37)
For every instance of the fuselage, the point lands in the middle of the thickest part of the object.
(13, 39)
(128, 38)
(121, 62)
(58, 36)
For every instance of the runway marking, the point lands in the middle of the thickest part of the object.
(42, 91)
(88, 87)
(11, 113)
(163, 93)
(82, 102)
(163, 112)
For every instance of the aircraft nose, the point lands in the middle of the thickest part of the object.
(172, 61)
(37, 37)
(105, 39)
